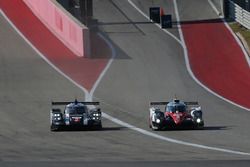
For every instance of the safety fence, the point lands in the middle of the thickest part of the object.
(239, 14)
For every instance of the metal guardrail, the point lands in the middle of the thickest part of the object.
(239, 14)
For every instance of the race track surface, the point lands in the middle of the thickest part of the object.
(148, 65)
(216, 58)
(54, 50)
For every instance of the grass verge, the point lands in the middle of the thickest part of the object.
(237, 28)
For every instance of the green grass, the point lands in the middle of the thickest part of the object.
(236, 27)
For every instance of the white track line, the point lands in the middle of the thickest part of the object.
(143, 14)
(239, 42)
(117, 121)
(145, 132)
(228, 27)
(105, 69)
(214, 8)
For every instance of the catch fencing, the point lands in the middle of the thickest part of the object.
(239, 14)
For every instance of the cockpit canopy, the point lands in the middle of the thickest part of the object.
(75, 109)
(176, 106)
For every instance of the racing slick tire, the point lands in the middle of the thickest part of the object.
(97, 127)
(150, 124)
(54, 128)
(155, 128)
(200, 127)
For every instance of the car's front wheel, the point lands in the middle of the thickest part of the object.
(54, 128)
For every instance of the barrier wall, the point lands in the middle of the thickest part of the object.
(239, 14)
(65, 27)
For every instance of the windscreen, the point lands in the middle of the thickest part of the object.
(174, 108)
(77, 110)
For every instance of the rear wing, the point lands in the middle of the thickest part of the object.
(158, 103)
(66, 103)
(193, 103)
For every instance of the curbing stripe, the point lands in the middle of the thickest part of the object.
(231, 31)
(189, 68)
(105, 69)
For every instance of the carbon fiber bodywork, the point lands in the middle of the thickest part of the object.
(176, 115)
(76, 115)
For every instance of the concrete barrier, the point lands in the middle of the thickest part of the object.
(219, 5)
(64, 26)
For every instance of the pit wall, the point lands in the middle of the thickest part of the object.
(65, 27)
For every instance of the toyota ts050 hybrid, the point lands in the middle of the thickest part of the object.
(175, 114)
(75, 115)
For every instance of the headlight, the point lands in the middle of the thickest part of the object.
(158, 120)
(198, 120)
(198, 108)
(57, 115)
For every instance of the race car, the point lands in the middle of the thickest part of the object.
(175, 115)
(76, 115)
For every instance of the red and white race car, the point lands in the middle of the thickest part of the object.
(176, 114)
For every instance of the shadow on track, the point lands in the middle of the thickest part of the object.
(188, 22)
(200, 21)
(217, 128)
(124, 23)
(100, 48)
(92, 129)
(206, 128)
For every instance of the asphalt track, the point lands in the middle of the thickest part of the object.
(216, 58)
(149, 65)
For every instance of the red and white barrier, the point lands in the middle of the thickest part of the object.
(70, 31)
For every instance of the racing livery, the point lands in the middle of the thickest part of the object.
(176, 114)
(75, 115)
